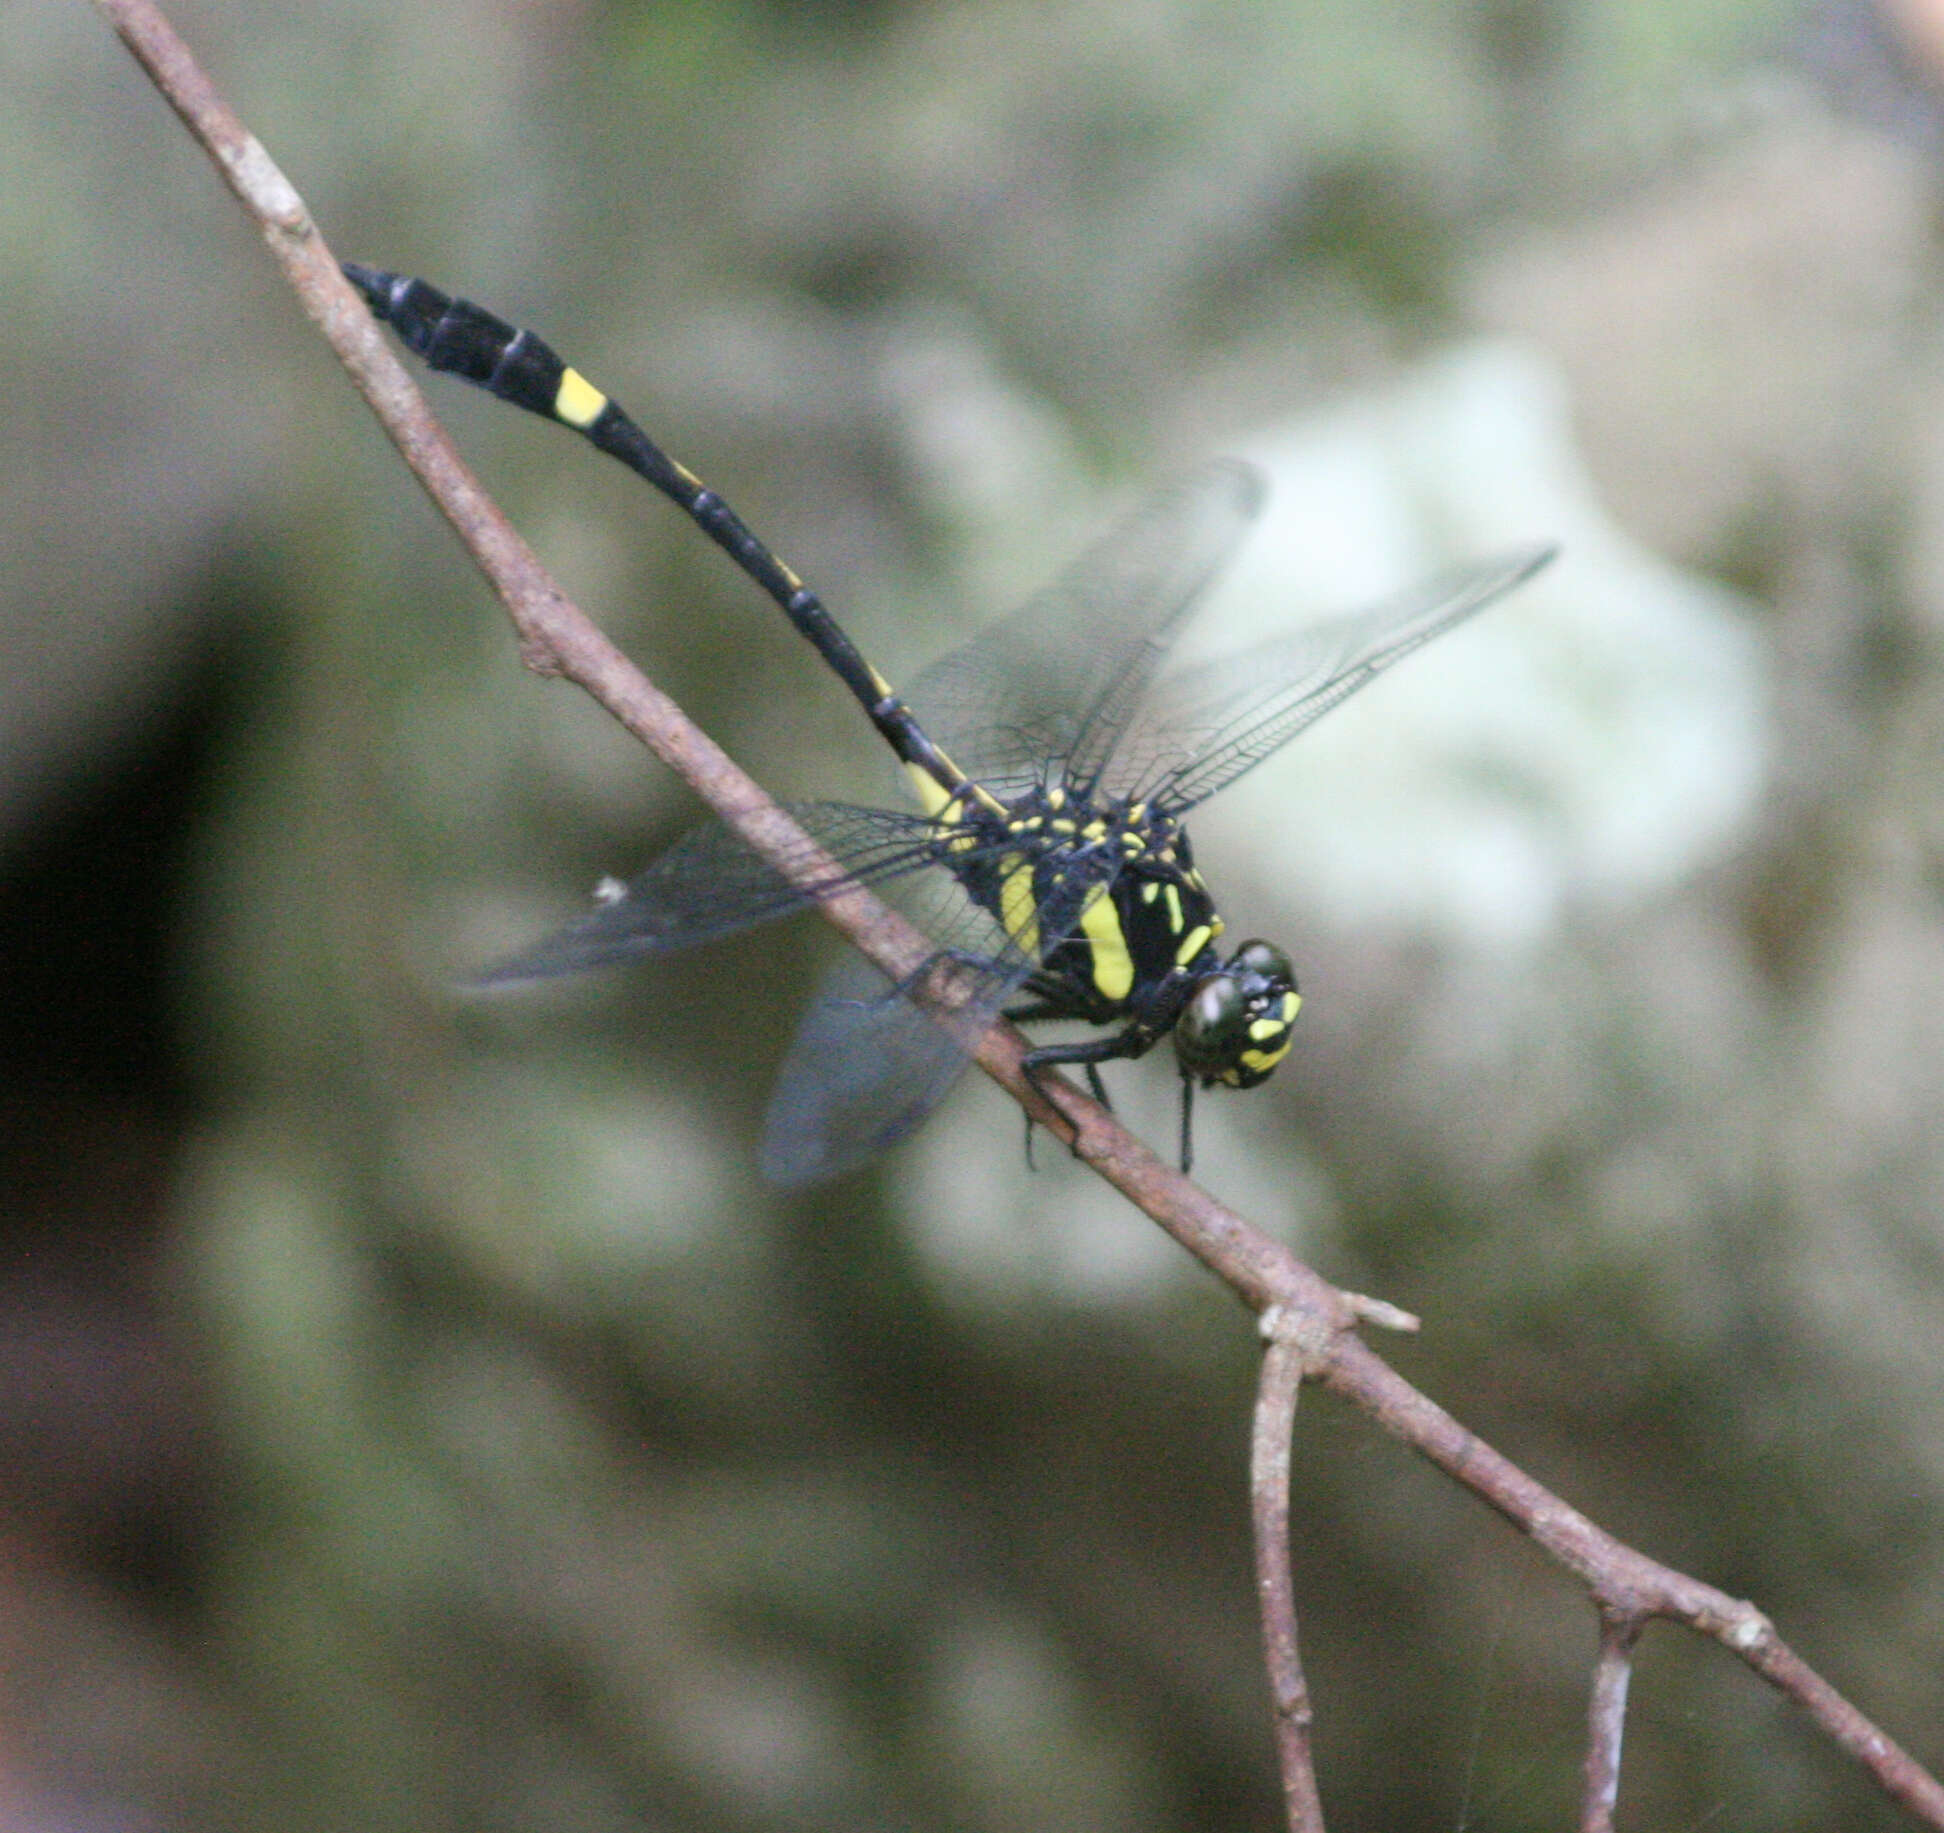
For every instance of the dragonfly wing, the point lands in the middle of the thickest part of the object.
(868, 1065)
(1054, 684)
(1210, 724)
(710, 883)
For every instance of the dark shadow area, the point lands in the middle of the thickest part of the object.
(101, 1448)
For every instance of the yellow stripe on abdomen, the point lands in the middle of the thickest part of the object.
(931, 797)
(577, 401)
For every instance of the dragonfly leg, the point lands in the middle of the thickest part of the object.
(1039, 1009)
(1095, 1086)
(1086, 1056)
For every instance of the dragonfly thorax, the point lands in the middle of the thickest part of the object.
(1103, 896)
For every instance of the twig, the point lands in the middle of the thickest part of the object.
(1382, 1313)
(1315, 1324)
(1616, 1576)
(1275, 1421)
(1606, 1721)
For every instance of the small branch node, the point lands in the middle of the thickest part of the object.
(1307, 1331)
(259, 178)
(1748, 1631)
(539, 657)
(1383, 1314)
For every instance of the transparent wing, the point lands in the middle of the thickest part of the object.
(1058, 680)
(1209, 724)
(710, 884)
(868, 1063)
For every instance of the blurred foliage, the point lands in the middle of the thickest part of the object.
(518, 1460)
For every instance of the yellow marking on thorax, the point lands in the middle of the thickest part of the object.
(1174, 909)
(1193, 943)
(577, 401)
(1018, 909)
(1113, 966)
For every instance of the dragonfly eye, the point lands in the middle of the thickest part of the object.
(1265, 961)
(1235, 1027)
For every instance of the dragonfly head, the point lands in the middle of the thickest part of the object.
(1235, 1027)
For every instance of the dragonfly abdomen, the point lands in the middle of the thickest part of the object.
(456, 337)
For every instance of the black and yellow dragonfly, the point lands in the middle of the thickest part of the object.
(1053, 765)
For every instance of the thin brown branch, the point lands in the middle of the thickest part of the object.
(1314, 1323)
(1617, 1577)
(1606, 1721)
(1269, 1455)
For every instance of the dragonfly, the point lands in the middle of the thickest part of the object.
(1053, 763)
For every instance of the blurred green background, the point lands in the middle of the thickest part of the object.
(416, 1412)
